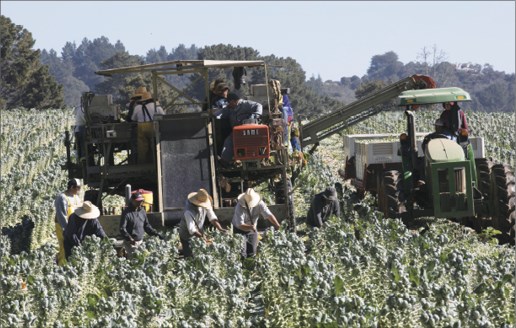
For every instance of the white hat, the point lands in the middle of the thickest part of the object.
(200, 198)
(87, 211)
(251, 197)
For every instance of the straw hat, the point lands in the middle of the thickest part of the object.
(221, 87)
(146, 96)
(215, 83)
(139, 92)
(251, 197)
(201, 198)
(88, 211)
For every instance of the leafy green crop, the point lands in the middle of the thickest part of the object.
(360, 271)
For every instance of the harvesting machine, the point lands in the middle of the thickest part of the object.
(186, 144)
(185, 148)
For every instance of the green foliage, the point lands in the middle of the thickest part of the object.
(25, 81)
(32, 151)
(361, 270)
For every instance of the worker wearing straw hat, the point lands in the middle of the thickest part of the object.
(247, 211)
(82, 223)
(144, 113)
(199, 205)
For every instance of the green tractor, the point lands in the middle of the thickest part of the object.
(448, 180)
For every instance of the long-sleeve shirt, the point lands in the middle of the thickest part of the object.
(78, 228)
(321, 210)
(134, 224)
(241, 215)
(193, 219)
(454, 120)
(65, 205)
(244, 110)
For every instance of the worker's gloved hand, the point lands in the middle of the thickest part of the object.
(160, 236)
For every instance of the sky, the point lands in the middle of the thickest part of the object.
(330, 39)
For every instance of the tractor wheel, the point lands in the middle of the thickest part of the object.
(389, 194)
(483, 216)
(504, 201)
(279, 194)
(484, 175)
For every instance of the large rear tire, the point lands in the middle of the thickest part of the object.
(389, 194)
(484, 175)
(483, 217)
(504, 201)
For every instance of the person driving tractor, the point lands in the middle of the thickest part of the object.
(440, 132)
(453, 118)
(237, 112)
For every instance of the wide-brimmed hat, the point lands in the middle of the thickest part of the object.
(88, 211)
(221, 87)
(330, 193)
(215, 83)
(139, 92)
(200, 198)
(250, 197)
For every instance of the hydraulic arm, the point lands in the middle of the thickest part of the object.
(357, 111)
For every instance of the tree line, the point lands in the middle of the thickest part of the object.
(45, 79)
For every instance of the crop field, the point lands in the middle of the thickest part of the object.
(362, 270)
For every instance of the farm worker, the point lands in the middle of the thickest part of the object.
(82, 223)
(288, 118)
(133, 101)
(80, 131)
(199, 205)
(144, 113)
(134, 224)
(65, 204)
(219, 98)
(248, 209)
(237, 111)
(323, 205)
(440, 132)
(453, 118)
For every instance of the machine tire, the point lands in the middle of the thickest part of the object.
(504, 201)
(483, 216)
(280, 198)
(484, 175)
(389, 194)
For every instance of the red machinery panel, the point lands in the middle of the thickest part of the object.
(251, 141)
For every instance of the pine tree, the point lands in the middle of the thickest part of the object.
(25, 82)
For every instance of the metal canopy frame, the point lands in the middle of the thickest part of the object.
(177, 67)
(181, 66)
